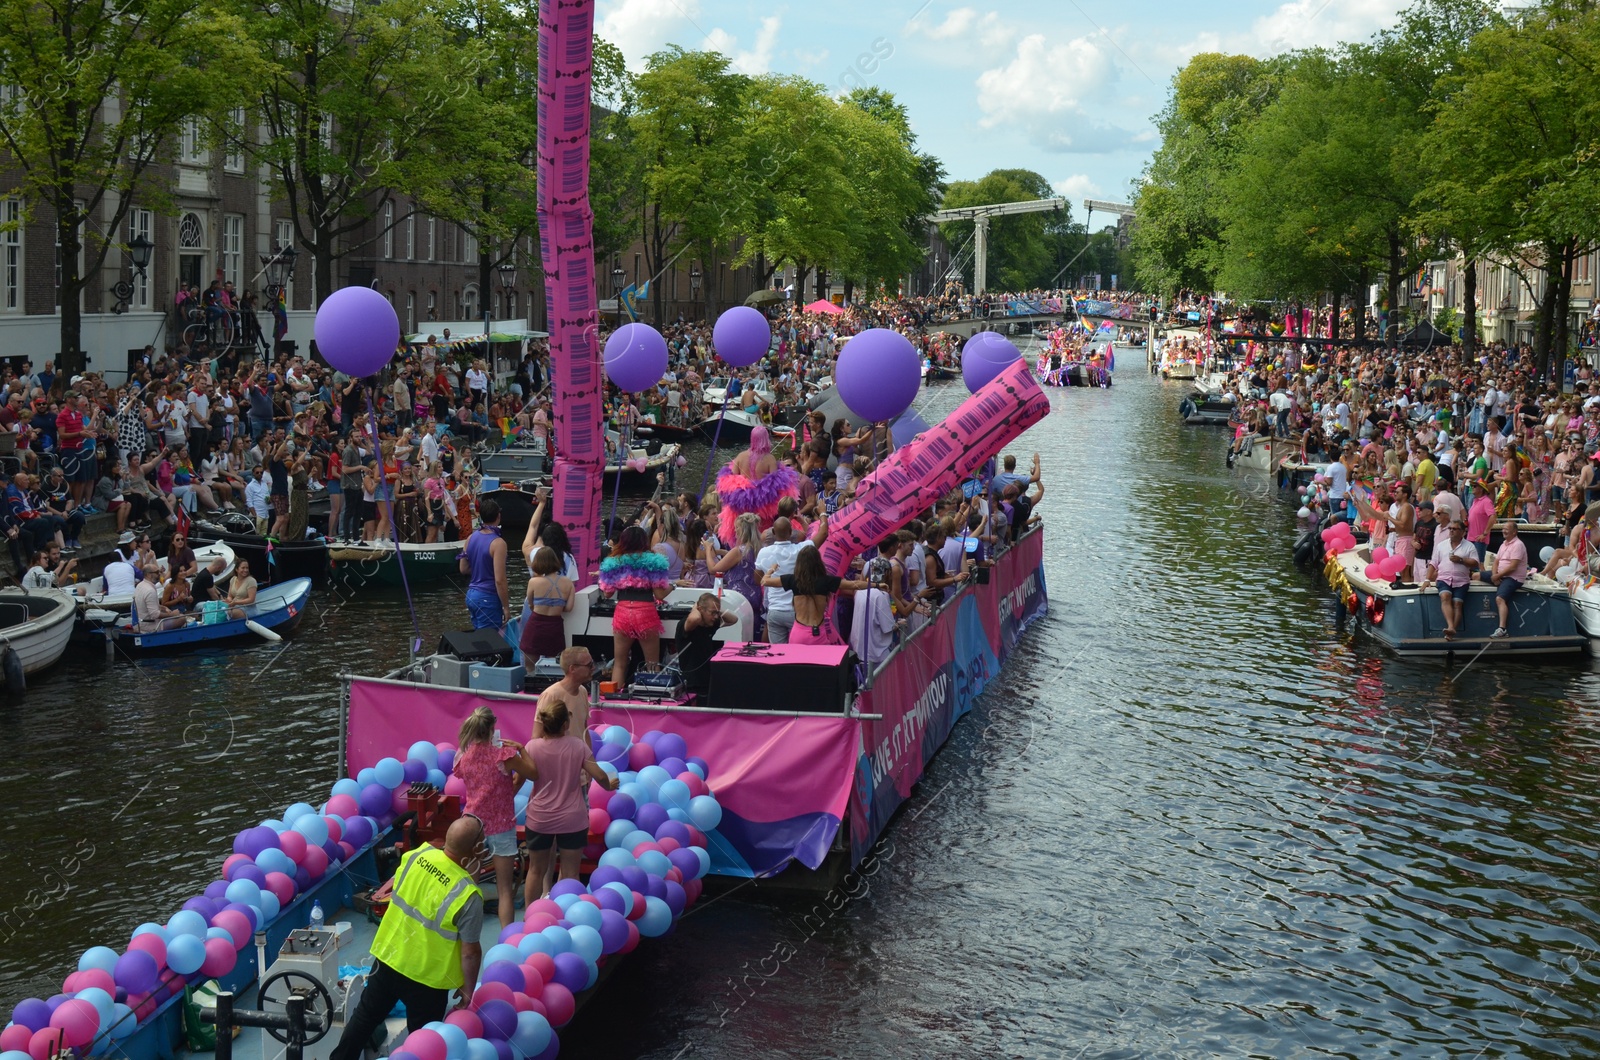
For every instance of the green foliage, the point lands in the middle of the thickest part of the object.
(1022, 247)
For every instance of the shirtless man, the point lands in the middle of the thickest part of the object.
(577, 667)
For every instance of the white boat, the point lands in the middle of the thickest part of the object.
(35, 626)
(715, 391)
(94, 590)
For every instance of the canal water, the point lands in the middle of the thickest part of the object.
(1192, 818)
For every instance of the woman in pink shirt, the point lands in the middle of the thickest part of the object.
(492, 771)
(557, 813)
(1479, 518)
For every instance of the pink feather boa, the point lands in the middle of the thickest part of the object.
(739, 495)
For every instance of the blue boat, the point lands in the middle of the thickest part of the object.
(278, 609)
(1409, 620)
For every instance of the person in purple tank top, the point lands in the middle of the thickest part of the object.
(484, 560)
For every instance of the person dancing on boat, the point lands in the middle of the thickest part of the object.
(754, 482)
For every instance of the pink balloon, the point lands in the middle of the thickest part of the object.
(1372, 572)
(522, 1002)
(696, 785)
(599, 820)
(398, 801)
(316, 862)
(546, 905)
(336, 826)
(536, 922)
(640, 755)
(236, 924)
(46, 1043)
(77, 1020)
(455, 786)
(15, 1037)
(492, 991)
(342, 806)
(282, 887)
(633, 937)
(220, 958)
(544, 964)
(1380, 554)
(425, 1044)
(559, 1004)
(467, 1020)
(231, 860)
(294, 845)
(96, 977)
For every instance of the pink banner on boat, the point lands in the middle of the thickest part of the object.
(934, 463)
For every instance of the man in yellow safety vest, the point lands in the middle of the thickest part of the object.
(428, 942)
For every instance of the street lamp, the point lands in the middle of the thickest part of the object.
(139, 250)
(618, 277)
(279, 267)
(694, 281)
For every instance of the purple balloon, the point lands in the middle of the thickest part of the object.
(415, 770)
(742, 336)
(357, 330)
(695, 760)
(654, 886)
(137, 972)
(671, 745)
(216, 889)
(302, 878)
(244, 870)
(677, 897)
(675, 830)
(986, 355)
(32, 1013)
(202, 905)
(610, 899)
(878, 374)
(636, 357)
(635, 878)
(507, 973)
(601, 876)
(613, 929)
(552, 1050)
(674, 766)
(651, 815)
(499, 1019)
(567, 887)
(510, 929)
(375, 799)
(335, 855)
(502, 1049)
(358, 831)
(685, 862)
(572, 971)
(610, 752)
(55, 1001)
(621, 807)
(447, 758)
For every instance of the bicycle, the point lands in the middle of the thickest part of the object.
(217, 328)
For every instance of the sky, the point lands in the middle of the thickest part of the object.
(1066, 88)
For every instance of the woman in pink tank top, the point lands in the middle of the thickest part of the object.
(557, 813)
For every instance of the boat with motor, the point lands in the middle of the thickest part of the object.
(93, 592)
(1408, 620)
(523, 461)
(270, 561)
(647, 457)
(517, 500)
(35, 628)
(379, 563)
(729, 425)
(1206, 410)
(278, 609)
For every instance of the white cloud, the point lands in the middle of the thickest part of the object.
(964, 24)
(758, 60)
(810, 58)
(640, 27)
(1057, 93)
(1077, 187)
(1306, 23)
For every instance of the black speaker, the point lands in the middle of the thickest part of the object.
(476, 645)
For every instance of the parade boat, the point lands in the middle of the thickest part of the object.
(517, 500)
(1206, 410)
(647, 458)
(1584, 593)
(378, 563)
(94, 593)
(35, 628)
(729, 425)
(270, 560)
(1408, 620)
(525, 460)
(1267, 454)
(278, 609)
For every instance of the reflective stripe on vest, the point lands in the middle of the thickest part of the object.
(422, 947)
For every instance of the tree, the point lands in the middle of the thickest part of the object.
(353, 105)
(94, 96)
(903, 186)
(1020, 247)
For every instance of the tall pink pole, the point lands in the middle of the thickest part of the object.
(566, 247)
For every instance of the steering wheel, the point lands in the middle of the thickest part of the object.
(319, 1008)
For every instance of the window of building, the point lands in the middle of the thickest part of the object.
(1582, 268)
(233, 161)
(388, 229)
(192, 145)
(411, 236)
(11, 255)
(411, 311)
(469, 302)
(430, 238)
(469, 247)
(433, 302)
(141, 223)
(232, 247)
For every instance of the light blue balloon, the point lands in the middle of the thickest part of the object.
(348, 787)
(532, 1035)
(297, 811)
(657, 919)
(586, 940)
(390, 773)
(455, 1039)
(635, 837)
(185, 954)
(610, 769)
(104, 1003)
(314, 828)
(123, 1022)
(261, 917)
(150, 929)
(617, 831)
(638, 792)
(187, 922)
(559, 938)
(101, 957)
(679, 814)
(533, 943)
(424, 752)
(705, 812)
(705, 860)
(502, 951)
(653, 777)
(218, 933)
(369, 776)
(519, 806)
(275, 824)
(270, 906)
(617, 736)
(274, 860)
(674, 792)
(245, 892)
(526, 791)
(565, 901)
(14, 1054)
(655, 863)
(697, 769)
(617, 858)
(628, 776)
(436, 778)
(586, 914)
(481, 1049)
(594, 975)
(627, 895)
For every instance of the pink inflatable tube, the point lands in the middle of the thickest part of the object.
(934, 463)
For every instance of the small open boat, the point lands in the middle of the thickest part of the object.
(95, 595)
(359, 563)
(35, 627)
(270, 561)
(644, 462)
(278, 608)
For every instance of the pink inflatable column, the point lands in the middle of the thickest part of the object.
(566, 246)
(934, 463)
